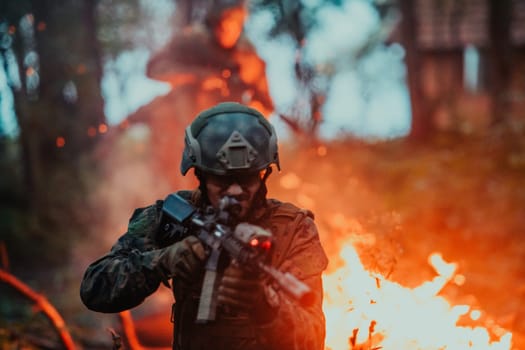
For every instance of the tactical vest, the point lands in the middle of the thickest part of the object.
(284, 220)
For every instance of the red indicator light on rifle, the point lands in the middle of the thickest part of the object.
(254, 242)
(266, 245)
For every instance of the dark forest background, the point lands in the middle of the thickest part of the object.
(69, 179)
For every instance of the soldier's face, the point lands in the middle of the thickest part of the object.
(241, 187)
(229, 29)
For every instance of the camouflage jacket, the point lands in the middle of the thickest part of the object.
(130, 272)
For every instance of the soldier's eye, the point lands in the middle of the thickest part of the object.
(241, 180)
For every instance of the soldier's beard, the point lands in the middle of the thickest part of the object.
(258, 200)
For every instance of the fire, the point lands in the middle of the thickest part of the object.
(367, 311)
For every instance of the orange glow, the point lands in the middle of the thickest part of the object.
(124, 124)
(102, 128)
(252, 72)
(81, 68)
(181, 79)
(230, 27)
(260, 107)
(92, 131)
(459, 279)
(30, 71)
(41, 304)
(212, 83)
(12, 30)
(128, 328)
(41, 26)
(290, 181)
(475, 315)
(368, 310)
(441, 266)
(60, 142)
(374, 313)
(364, 309)
(251, 67)
(226, 73)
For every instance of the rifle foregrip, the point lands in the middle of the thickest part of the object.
(297, 289)
(291, 285)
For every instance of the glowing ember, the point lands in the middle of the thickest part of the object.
(366, 311)
(321, 151)
(102, 128)
(60, 142)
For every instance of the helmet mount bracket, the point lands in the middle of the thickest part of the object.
(236, 153)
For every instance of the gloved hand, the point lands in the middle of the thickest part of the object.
(247, 293)
(183, 259)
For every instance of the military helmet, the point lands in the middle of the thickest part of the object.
(229, 138)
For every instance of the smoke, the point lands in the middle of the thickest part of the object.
(125, 86)
(340, 32)
(361, 80)
(279, 54)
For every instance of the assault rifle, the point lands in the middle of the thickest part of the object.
(247, 244)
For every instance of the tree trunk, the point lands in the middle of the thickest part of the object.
(420, 125)
(500, 56)
(66, 99)
(69, 100)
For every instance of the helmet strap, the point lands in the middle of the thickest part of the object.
(202, 187)
(259, 199)
(267, 173)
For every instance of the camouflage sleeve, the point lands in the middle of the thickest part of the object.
(296, 327)
(124, 277)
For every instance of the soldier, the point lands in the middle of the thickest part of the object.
(231, 148)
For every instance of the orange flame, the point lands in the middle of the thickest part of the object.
(368, 311)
